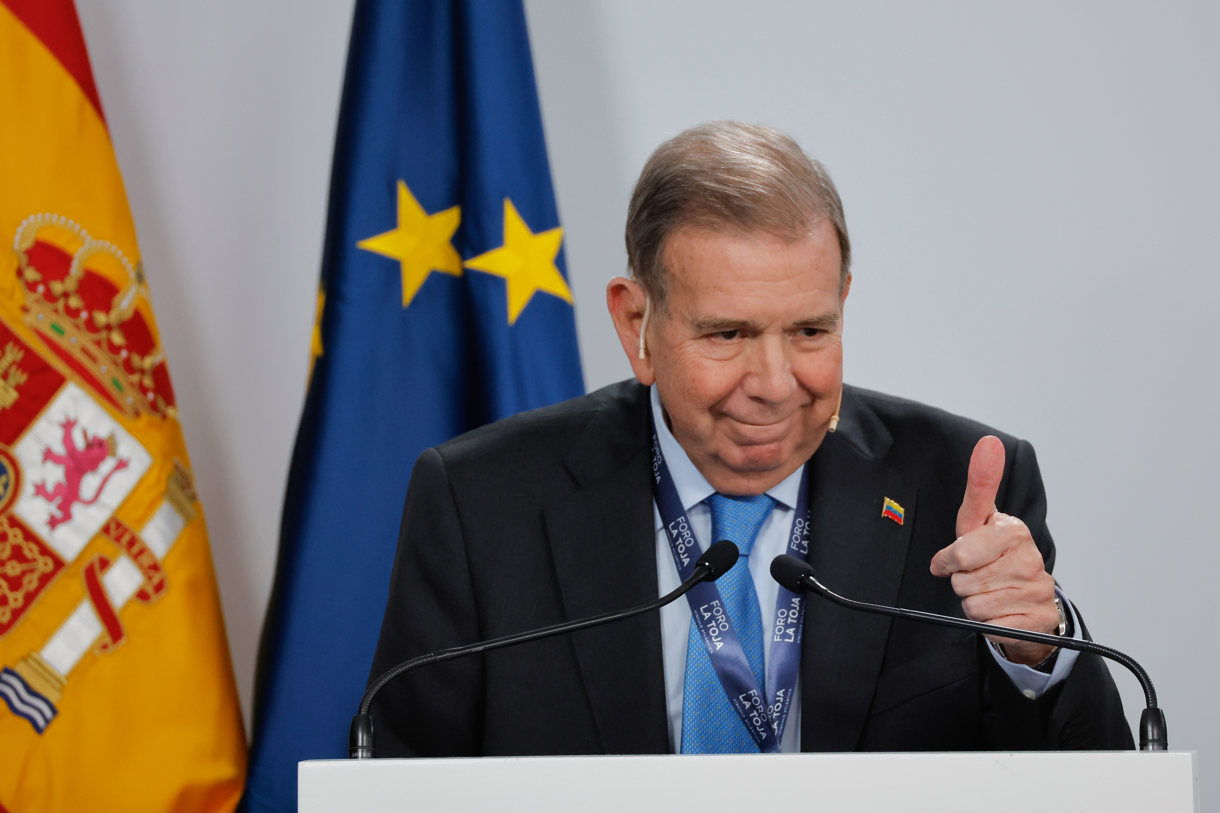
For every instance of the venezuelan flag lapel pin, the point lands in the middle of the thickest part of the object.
(892, 511)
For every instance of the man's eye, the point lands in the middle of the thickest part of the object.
(811, 332)
(726, 335)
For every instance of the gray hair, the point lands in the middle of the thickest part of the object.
(726, 173)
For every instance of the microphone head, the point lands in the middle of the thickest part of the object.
(789, 570)
(718, 559)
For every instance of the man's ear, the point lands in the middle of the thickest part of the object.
(843, 297)
(628, 305)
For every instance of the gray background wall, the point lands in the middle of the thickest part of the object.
(1031, 192)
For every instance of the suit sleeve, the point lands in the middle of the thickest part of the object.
(434, 710)
(1083, 712)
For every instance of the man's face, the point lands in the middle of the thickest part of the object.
(748, 358)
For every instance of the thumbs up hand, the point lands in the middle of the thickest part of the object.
(994, 564)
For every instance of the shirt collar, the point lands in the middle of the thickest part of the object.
(693, 488)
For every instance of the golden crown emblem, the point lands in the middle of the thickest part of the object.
(81, 298)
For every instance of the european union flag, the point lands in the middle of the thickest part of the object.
(443, 305)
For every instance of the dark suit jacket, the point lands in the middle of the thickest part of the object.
(548, 516)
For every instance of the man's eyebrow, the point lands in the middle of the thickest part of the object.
(716, 324)
(826, 321)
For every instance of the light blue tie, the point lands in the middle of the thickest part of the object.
(710, 725)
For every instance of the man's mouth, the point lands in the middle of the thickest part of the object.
(761, 432)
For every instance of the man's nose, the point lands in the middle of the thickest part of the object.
(769, 375)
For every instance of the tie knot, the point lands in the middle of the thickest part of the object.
(739, 518)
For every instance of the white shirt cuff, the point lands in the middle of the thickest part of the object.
(1029, 681)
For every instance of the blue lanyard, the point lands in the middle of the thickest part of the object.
(765, 720)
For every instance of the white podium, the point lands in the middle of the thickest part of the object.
(840, 783)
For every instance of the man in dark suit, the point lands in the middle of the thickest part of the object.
(732, 321)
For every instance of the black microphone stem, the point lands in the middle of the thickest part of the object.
(1153, 735)
(714, 563)
(517, 638)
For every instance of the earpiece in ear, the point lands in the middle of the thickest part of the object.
(644, 326)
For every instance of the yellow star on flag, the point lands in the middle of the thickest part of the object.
(315, 344)
(422, 243)
(526, 261)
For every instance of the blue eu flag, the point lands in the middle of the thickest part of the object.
(443, 305)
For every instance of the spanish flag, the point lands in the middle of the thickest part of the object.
(115, 678)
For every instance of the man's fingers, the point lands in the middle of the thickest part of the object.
(944, 563)
(986, 545)
(1035, 602)
(969, 553)
(982, 483)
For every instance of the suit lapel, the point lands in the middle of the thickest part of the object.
(604, 552)
(858, 553)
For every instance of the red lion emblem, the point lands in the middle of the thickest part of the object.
(77, 463)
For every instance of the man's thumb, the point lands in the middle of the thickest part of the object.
(982, 483)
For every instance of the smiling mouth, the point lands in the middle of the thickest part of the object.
(762, 424)
(760, 434)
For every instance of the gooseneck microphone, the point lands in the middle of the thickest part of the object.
(714, 563)
(798, 576)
